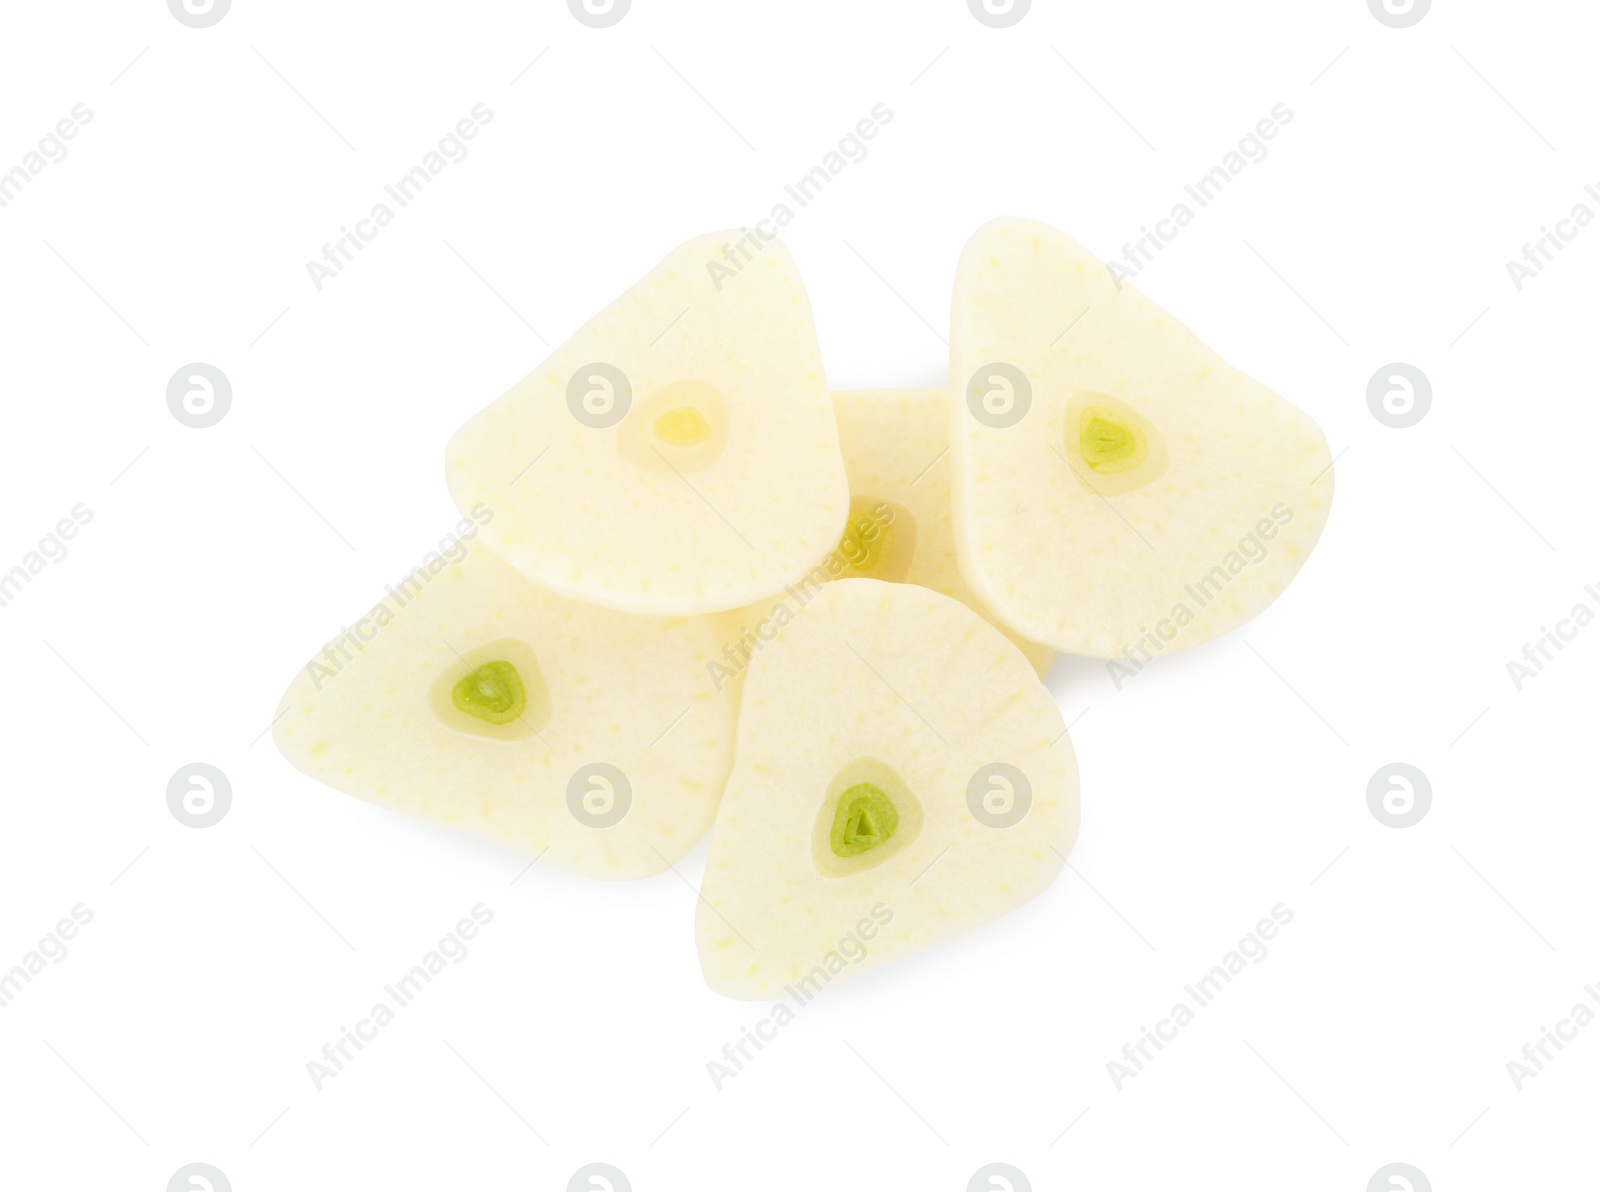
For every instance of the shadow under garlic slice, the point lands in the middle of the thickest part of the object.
(896, 453)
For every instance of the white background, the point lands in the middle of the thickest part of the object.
(1215, 785)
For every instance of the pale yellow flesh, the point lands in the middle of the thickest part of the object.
(722, 483)
(631, 692)
(896, 448)
(920, 683)
(1111, 565)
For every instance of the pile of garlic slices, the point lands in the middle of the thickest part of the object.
(705, 592)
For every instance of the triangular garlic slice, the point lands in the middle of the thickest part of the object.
(1120, 490)
(901, 775)
(472, 698)
(677, 455)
